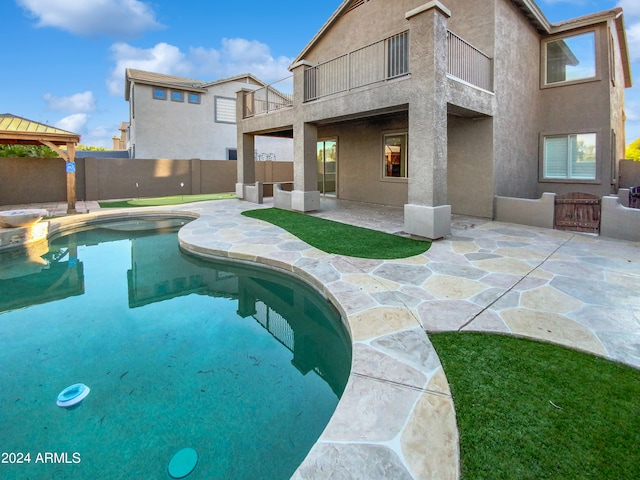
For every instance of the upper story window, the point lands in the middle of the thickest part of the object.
(194, 97)
(159, 93)
(570, 157)
(177, 96)
(570, 59)
(225, 110)
(395, 155)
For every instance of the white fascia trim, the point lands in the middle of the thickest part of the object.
(428, 6)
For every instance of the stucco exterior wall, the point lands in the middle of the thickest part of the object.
(582, 108)
(517, 104)
(617, 86)
(470, 166)
(167, 129)
(477, 29)
(360, 160)
(368, 23)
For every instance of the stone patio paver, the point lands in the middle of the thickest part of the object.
(396, 419)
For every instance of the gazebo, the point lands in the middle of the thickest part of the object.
(20, 131)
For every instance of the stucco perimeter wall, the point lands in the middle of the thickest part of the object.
(629, 174)
(360, 159)
(35, 180)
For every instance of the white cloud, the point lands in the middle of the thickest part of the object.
(163, 58)
(73, 123)
(235, 56)
(116, 18)
(631, 8)
(632, 110)
(238, 55)
(78, 103)
(100, 136)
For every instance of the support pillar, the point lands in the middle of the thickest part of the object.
(427, 213)
(71, 178)
(246, 163)
(246, 174)
(305, 196)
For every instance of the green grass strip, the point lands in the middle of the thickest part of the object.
(339, 238)
(532, 410)
(162, 201)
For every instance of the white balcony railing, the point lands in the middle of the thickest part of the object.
(267, 99)
(468, 63)
(380, 61)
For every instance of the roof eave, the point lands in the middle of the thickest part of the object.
(624, 50)
(320, 33)
(534, 14)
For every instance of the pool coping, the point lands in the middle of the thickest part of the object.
(396, 390)
(396, 418)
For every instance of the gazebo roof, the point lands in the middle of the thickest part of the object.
(18, 130)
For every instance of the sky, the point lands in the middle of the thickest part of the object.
(63, 61)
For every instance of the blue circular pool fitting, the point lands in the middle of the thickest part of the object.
(183, 463)
(72, 395)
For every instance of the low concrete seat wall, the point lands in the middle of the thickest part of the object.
(281, 198)
(525, 211)
(618, 221)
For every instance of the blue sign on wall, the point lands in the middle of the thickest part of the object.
(71, 167)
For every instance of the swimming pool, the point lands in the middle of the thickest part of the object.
(244, 365)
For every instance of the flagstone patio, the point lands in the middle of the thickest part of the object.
(396, 418)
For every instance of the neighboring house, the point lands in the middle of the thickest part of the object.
(182, 118)
(438, 107)
(121, 142)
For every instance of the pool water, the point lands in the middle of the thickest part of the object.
(243, 365)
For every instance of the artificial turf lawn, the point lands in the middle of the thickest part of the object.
(170, 200)
(339, 238)
(531, 410)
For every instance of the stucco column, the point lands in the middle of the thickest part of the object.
(427, 213)
(246, 150)
(305, 196)
(246, 163)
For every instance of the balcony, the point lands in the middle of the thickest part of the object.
(268, 99)
(378, 62)
(469, 64)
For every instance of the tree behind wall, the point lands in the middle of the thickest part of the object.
(37, 151)
(633, 151)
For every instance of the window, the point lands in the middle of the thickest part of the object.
(177, 96)
(570, 157)
(395, 155)
(225, 110)
(571, 58)
(232, 154)
(398, 55)
(194, 97)
(159, 93)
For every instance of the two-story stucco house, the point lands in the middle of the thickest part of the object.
(440, 106)
(181, 118)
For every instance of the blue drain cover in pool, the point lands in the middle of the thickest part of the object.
(183, 463)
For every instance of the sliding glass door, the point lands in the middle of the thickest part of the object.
(327, 166)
